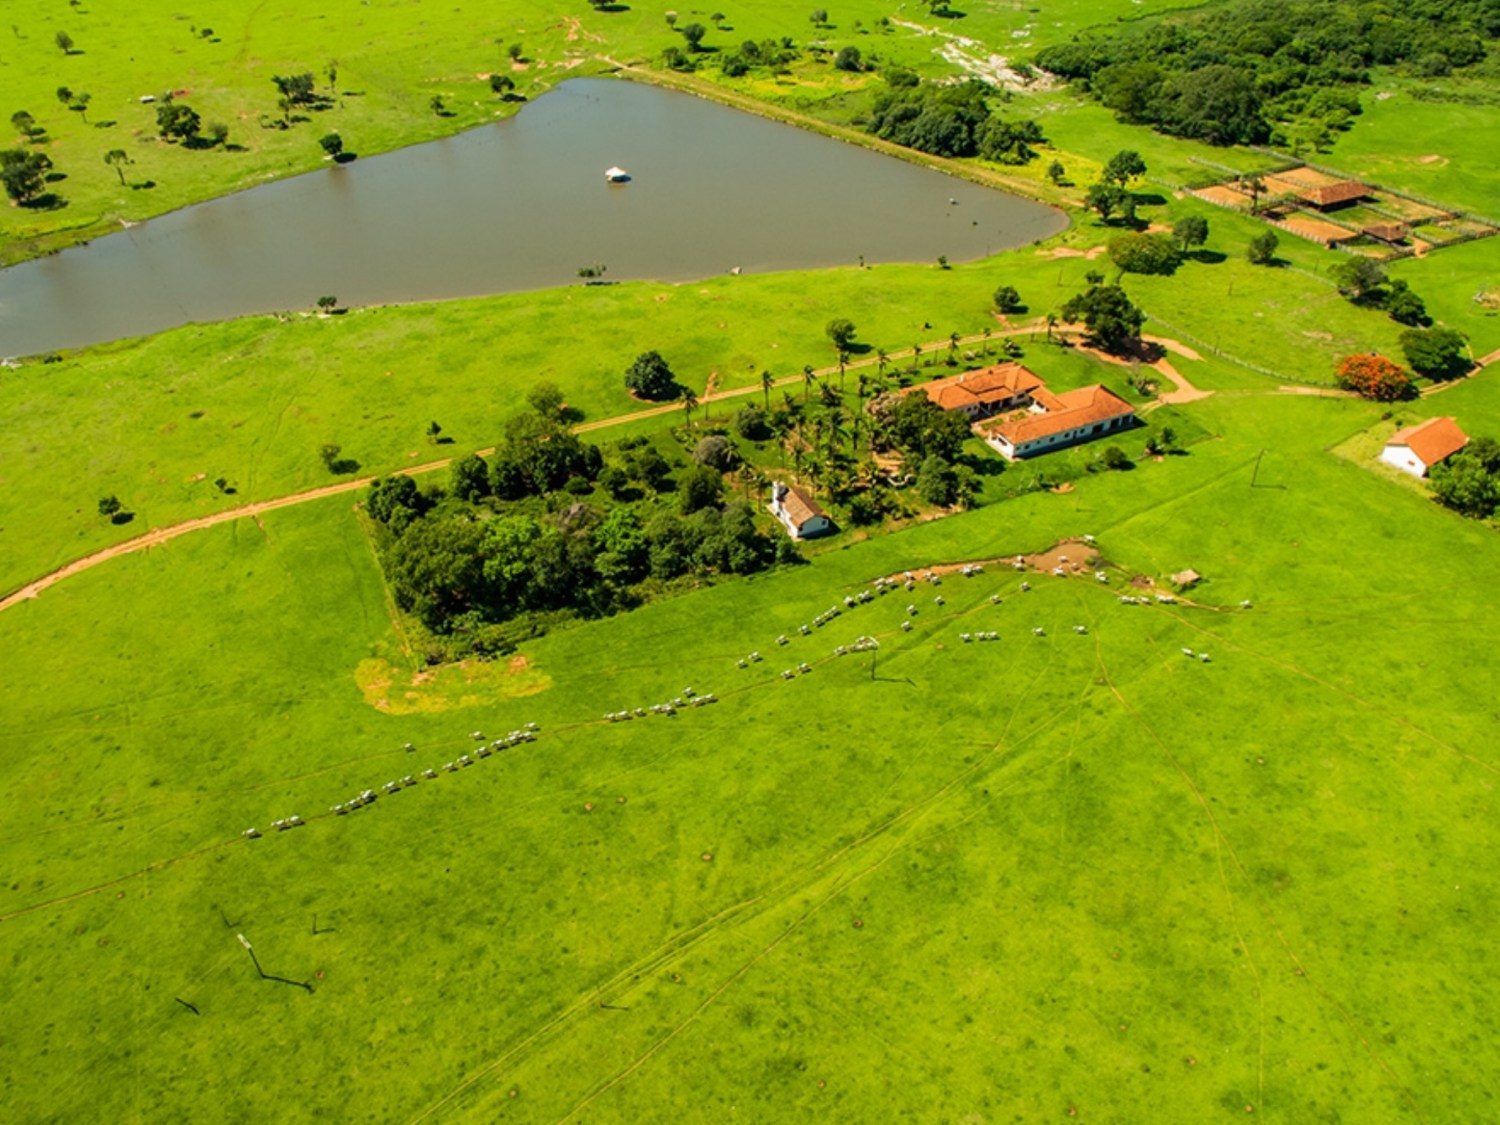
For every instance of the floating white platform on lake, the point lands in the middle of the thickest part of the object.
(617, 175)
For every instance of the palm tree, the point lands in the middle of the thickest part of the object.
(1051, 320)
(916, 354)
(987, 331)
(1254, 185)
(881, 359)
(689, 401)
(952, 348)
(767, 381)
(808, 379)
(117, 158)
(835, 429)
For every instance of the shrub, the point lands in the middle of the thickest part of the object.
(752, 423)
(1374, 377)
(717, 452)
(1008, 299)
(649, 377)
(1262, 248)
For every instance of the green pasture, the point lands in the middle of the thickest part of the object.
(999, 879)
(1443, 148)
(1461, 286)
(159, 420)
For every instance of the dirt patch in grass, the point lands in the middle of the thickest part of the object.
(1072, 555)
(1225, 196)
(1315, 229)
(448, 687)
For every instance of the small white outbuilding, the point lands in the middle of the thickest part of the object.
(1418, 448)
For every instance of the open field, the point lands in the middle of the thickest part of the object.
(997, 878)
(252, 400)
(1058, 875)
(1441, 149)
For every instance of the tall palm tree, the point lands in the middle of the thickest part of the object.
(987, 331)
(767, 381)
(881, 359)
(952, 348)
(808, 379)
(689, 401)
(861, 388)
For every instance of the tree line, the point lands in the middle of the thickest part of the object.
(1284, 71)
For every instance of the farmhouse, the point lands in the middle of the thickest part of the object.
(799, 512)
(1418, 448)
(1055, 421)
(983, 393)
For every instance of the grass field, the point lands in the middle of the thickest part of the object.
(996, 879)
(1440, 149)
(252, 400)
(1069, 875)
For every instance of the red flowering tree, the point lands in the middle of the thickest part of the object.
(1374, 377)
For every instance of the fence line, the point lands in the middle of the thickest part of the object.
(1213, 349)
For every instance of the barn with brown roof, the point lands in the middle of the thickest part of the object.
(1325, 196)
(1386, 232)
(1416, 449)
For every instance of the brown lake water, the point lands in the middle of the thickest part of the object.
(520, 204)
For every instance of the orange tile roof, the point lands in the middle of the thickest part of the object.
(1082, 407)
(1325, 195)
(980, 388)
(799, 506)
(1433, 440)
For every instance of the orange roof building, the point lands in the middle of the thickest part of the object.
(1418, 448)
(982, 393)
(1054, 421)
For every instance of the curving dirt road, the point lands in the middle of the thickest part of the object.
(157, 536)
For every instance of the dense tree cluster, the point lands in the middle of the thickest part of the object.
(1364, 282)
(920, 428)
(771, 54)
(507, 539)
(1255, 70)
(952, 121)
(23, 174)
(1469, 481)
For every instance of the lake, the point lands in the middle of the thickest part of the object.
(520, 204)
